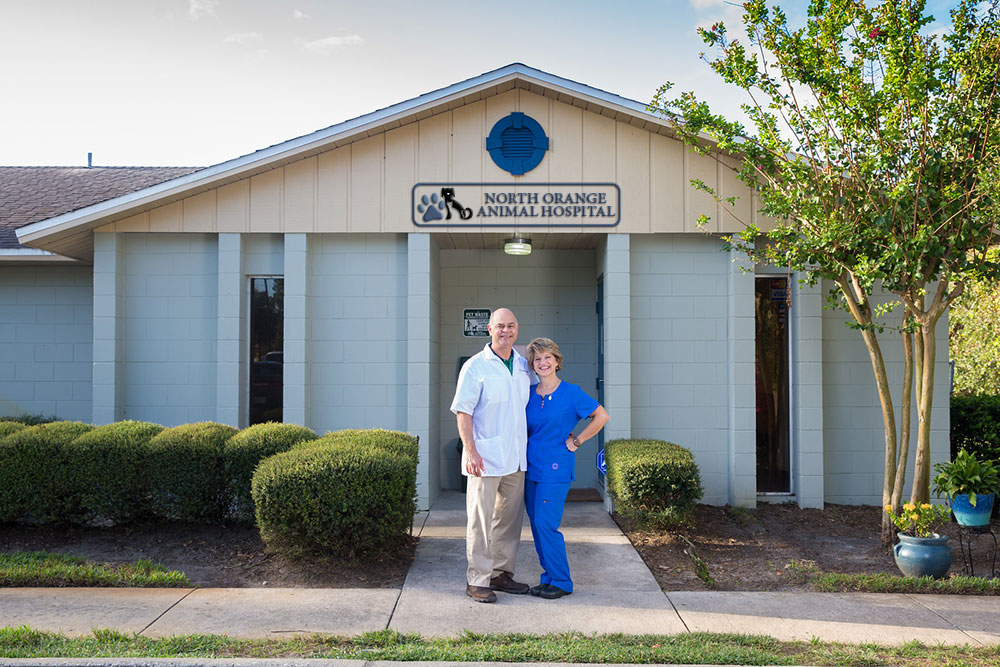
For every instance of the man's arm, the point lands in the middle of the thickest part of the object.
(473, 461)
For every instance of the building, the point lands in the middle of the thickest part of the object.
(339, 279)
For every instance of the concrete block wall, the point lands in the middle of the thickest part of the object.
(356, 300)
(169, 327)
(46, 325)
(680, 350)
(553, 293)
(854, 439)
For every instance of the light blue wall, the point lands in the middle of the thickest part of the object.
(170, 327)
(356, 307)
(680, 350)
(46, 325)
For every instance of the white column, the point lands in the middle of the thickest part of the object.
(109, 271)
(742, 384)
(231, 395)
(807, 393)
(422, 351)
(296, 353)
(617, 339)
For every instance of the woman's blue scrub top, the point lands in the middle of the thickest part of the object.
(548, 427)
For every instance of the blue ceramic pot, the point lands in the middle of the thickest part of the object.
(922, 556)
(967, 515)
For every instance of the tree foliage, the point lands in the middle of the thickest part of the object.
(974, 336)
(874, 151)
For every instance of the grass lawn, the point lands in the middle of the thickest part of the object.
(704, 648)
(39, 568)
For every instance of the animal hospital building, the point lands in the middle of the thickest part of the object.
(339, 279)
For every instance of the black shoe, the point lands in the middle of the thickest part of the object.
(537, 590)
(550, 592)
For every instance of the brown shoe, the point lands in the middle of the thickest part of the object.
(480, 593)
(505, 583)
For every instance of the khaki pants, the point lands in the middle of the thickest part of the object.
(495, 508)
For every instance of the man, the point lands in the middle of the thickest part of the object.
(489, 404)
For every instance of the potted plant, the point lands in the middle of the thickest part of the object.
(920, 551)
(970, 485)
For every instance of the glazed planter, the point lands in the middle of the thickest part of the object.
(923, 556)
(967, 515)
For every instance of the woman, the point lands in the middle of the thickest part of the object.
(554, 409)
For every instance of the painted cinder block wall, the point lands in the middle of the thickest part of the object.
(854, 439)
(46, 325)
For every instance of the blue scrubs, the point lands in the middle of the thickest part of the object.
(550, 470)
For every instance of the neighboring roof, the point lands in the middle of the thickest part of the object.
(70, 233)
(32, 194)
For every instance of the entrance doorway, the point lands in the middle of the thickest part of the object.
(773, 441)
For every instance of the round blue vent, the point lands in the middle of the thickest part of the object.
(517, 143)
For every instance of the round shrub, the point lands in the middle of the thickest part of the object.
(110, 464)
(8, 427)
(35, 476)
(343, 500)
(245, 450)
(652, 481)
(186, 474)
(396, 441)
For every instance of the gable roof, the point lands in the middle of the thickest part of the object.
(33, 194)
(70, 233)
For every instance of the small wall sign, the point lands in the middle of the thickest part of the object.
(516, 205)
(475, 322)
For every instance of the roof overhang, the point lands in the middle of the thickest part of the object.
(71, 233)
(33, 256)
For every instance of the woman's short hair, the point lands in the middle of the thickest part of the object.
(539, 345)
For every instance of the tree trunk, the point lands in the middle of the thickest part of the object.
(925, 399)
(904, 416)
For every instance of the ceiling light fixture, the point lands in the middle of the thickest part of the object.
(517, 245)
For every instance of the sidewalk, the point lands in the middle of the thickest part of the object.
(615, 592)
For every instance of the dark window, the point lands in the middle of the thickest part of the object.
(267, 342)
(773, 457)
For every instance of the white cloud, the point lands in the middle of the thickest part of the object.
(242, 38)
(299, 14)
(700, 5)
(199, 8)
(328, 45)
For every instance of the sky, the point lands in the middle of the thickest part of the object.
(199, 82)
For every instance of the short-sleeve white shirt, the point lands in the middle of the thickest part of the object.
(496, 398)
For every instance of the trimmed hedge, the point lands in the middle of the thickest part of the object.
(652, 481)
(109, 464)
(186, 472)
(244, 451)
(350, 494)
(975, 426)
(8, 427)
(37, 481)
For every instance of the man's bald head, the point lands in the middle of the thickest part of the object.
(503, 331)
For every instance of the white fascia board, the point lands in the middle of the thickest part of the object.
(205, 178)
(10, 255)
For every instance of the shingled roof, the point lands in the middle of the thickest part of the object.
(31, 194)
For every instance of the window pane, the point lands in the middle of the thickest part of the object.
(267, 342)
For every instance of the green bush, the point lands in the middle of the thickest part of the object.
(186, 474)
(30, 420)
(8, 427)
(340, 498)
(36, 478)
(110, 465)
(652, 481)
(396, 441)
(245, 450)
(975, 426)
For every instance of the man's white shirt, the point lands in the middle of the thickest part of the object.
(496, 398)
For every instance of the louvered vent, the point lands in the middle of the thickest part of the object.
(516, 142)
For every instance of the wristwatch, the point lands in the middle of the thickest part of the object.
(576, 442)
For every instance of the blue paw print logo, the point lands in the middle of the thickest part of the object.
(431, 206)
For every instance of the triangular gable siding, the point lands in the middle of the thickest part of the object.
(365, 186)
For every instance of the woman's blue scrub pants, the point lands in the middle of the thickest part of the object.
(545, 502)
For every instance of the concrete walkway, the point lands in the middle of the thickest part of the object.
(615, 592)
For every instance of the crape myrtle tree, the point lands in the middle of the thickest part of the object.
(874, 152)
